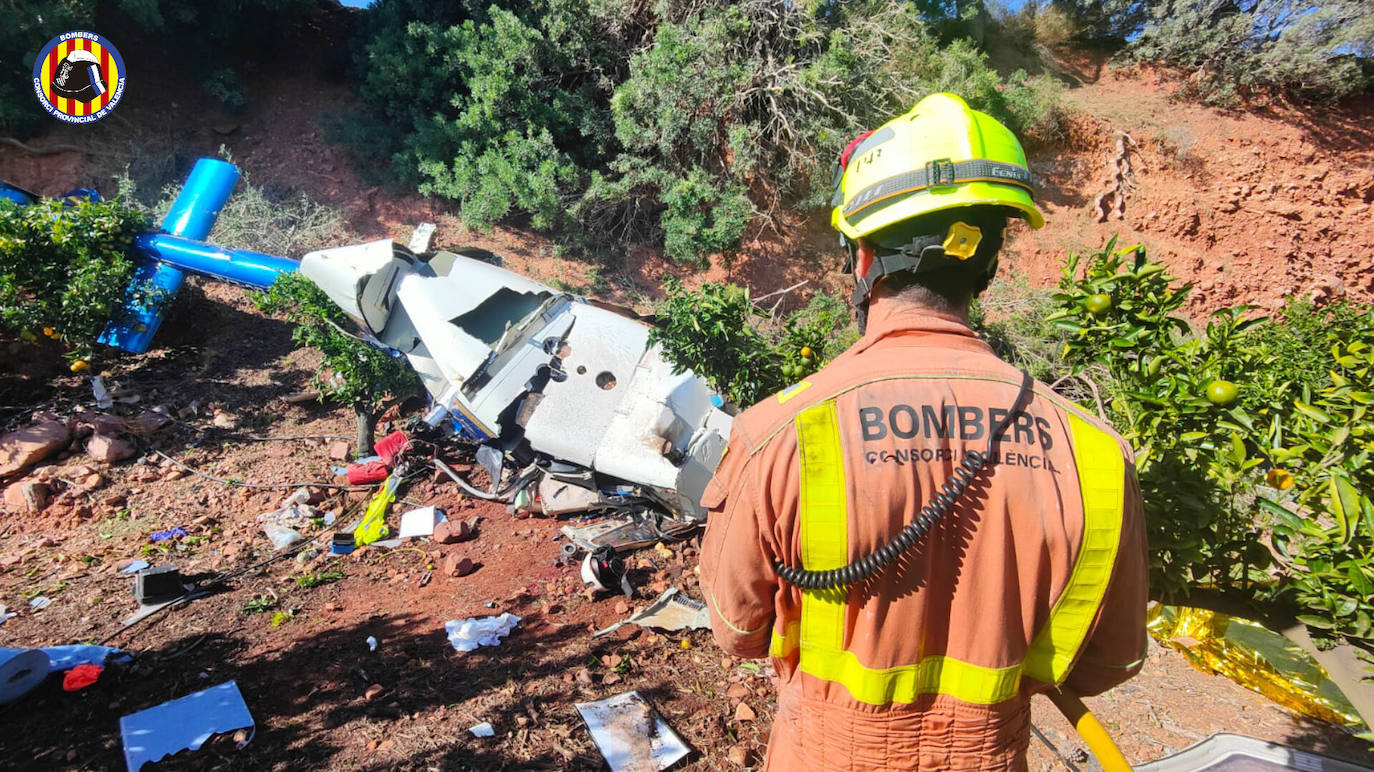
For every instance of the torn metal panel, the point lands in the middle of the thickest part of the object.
(631, 735)
(601, 352)
(557, 497)
(623, 533)
(670, 611)
(519, 365)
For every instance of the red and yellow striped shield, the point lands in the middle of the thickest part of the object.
(78, 74)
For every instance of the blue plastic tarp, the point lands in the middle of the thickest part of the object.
(186, 723)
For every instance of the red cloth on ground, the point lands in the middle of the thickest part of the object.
(362, 474)
(80, 677)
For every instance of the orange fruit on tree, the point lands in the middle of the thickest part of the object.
(1279, 478)
(1222, 393)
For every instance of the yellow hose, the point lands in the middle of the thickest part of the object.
(1090, 729)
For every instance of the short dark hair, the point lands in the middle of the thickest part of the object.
(951, 284)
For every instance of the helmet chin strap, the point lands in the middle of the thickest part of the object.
(890, 263)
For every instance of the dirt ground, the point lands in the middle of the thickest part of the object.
(1250, 206)
(307, 679)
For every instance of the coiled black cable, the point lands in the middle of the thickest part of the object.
(969, 468)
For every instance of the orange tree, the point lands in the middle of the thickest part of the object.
(1251, 437)
(745, 352)
(65, 267)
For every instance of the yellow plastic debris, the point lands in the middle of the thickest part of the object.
(1254, 657)
(373, 526)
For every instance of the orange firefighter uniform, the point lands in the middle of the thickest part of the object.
(1035, 578)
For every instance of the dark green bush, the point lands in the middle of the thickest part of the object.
(1233, 50)
(228, 36)
(64, 268)
(497, 108)
(619, 121)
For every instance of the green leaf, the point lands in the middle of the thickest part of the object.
(1237, 449)
(1345, 506)
(1315, 414)
(1280, 511)
(1321, 623)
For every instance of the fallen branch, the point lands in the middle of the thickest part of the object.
(783, 291)
(262, 486)
(47, 150)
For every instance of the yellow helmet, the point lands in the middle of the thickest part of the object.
(941, 155)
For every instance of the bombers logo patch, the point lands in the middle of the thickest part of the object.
(78, 77)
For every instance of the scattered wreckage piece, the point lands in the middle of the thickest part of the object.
(625, 532)
(630, 734)
(670, 611)
(186, 723)
(564, 385)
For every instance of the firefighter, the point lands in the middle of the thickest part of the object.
(919, 535)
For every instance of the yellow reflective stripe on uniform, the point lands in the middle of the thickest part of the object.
(783, 645)
(932, 675)
(824, 513)
(1102, 478)
(824, 527)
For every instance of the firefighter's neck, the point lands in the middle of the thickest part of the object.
(912, 301)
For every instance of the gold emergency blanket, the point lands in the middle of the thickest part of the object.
(1254, 657)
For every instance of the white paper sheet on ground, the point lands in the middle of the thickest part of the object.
(420, 522)
(103, 400)
(631, 735)
(158, 732)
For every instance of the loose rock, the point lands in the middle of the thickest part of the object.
(26, 496)
(108, 449)
(25, 447)
(458, 566)
(452, 532)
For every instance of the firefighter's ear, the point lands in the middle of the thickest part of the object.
(863, 258)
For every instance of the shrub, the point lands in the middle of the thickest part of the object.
(719, 333)
(271, 220)
(1286, 463)
(620, 121)
(354, 372)
(227, 36)
(1308, 49)
(496, 108)
(282, 224)
(64, 268)
(1327, 447)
